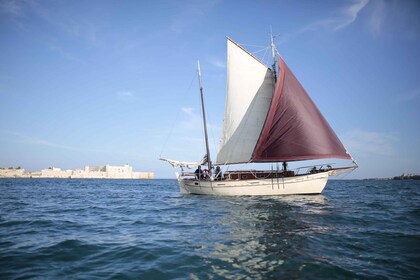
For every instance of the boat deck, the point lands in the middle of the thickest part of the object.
(254, 174)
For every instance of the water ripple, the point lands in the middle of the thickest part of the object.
(131, 229)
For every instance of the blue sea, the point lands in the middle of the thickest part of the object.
(145, 229)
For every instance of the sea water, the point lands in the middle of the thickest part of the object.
(146, 229)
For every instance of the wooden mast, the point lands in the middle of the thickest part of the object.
(204, 120)
(273, 47)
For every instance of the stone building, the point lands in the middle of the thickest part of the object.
(91, 172)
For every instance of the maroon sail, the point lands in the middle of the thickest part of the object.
(295, 129)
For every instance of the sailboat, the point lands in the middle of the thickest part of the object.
(268, 118)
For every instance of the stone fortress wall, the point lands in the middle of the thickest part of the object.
(92, 172)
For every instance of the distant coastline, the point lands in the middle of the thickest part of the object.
(407, 177)
(89, 172)
(401, 177)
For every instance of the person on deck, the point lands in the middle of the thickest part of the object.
(205, 175)
(198, 173)
(284, 166)
(218, 174)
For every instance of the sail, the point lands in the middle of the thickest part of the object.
(177, 163)
(295, 129)
(250, 89)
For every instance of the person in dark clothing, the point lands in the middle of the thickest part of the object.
(218, 174)
(198, 173)
(284, 166)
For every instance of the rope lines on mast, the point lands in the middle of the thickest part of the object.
(203, 110)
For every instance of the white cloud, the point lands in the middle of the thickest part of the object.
(34, 140)
(370, 143)
(52, 14)
(63, 53)
(12, 8)
(189, 111)
(193, 140)
(218, 63)
(346, 16)
(192, 121)
(409, 96)
(350, 14)
(313, 26)
(191, 12)
(377, 17)
(125, 95)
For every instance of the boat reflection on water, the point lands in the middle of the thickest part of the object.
(302, 199)
(265, 236)
(310, 203)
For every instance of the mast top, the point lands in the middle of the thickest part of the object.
(199, 74)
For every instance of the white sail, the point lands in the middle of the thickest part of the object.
(187, 164)
(250, 88)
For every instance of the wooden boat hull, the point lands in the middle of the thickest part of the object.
(301, 184)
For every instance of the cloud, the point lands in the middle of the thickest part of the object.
(350, 14)
(218, 63)
(370, 143)
(12, 8)
(125, 95)
(346, 16)
(191, 12)
(31, 140)
(409, 96)
(192, 120)
(189, 111)
(35, 141)
(394, 18)
(67, 55)
(79, 28)
(377, 17)
(313, 26)
(193, 140)
(53, 14)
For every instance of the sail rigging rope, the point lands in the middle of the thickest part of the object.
(256, 46)
(345, 174)
(255, 174)
(264, 49)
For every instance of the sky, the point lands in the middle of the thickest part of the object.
(115, 82)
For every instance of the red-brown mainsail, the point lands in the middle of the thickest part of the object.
(295, 129)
